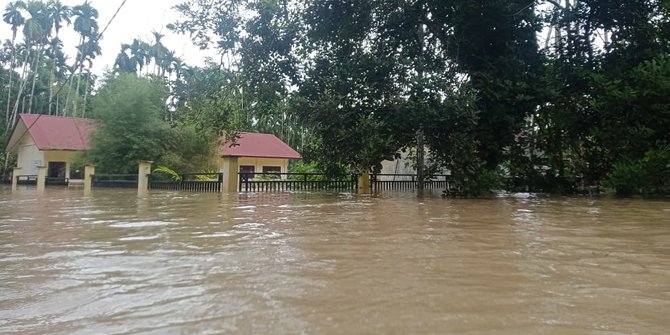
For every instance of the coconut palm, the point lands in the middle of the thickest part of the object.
(13, 17)
(59, 13)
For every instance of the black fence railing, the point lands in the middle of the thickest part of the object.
(32, 180)
(309, 182)
(115, 180)
(26, 180)
(273, 182)
(193, 182)
(395, 182)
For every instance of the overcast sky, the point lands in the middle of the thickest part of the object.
(136, 19)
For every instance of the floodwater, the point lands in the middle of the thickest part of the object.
(184, 263)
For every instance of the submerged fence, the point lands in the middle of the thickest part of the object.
(193, 182)
(115, 180)
(394, 182)
(271, 182)
(32, 180)
(274, 182)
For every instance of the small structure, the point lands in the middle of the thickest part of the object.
(253, 153)
(48, 141)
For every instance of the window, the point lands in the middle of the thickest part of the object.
(272, 169)
(247, 171)
(269, 170)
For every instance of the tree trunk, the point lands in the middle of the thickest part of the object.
(9, 87)
(83, 111)
(76, 95)
(420, 161)
(74, 69)
(36, 71)
(21, 87)
(52, 77)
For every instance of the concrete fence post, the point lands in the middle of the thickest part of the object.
(15, 178)
(231, 167)
(41, 178)
(364, 182)
(89, 173)
(143, 176)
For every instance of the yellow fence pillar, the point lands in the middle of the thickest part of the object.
(364, 182)
(89, 172)
(41, 178)
(231, 166)
(15, 178)
(143, 176)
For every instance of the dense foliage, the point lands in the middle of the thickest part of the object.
(560, 96)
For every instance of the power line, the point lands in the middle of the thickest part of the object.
(98, 37)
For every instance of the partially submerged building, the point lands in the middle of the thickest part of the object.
(258, 153)
(50, 141)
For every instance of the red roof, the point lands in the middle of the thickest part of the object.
(258, 145)
(54, 132)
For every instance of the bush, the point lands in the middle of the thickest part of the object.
(648, 176)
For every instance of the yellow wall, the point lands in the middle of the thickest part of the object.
(60, 156)
(258, 163)
(29, 157)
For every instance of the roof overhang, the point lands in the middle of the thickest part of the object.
(20, 129)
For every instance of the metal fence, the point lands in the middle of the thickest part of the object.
(26, 179)
(193, 182)
(275, 182)
(115, 180)
(395, 182)
(312, 182)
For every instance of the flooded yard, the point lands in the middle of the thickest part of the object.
(186, 263)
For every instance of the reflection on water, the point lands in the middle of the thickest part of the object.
(182, 263)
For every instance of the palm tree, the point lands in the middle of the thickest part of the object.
(59, 13)
(13, 17)
(89, 51)
(37, 29)
(35, 33)
(141, 54)
(158, 52)
(86, 25)
(124, 63)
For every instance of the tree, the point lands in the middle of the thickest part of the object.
(130, 129)
(86, 25)
(13, 17)
(59, 13)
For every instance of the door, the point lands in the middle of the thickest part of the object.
(56, 171)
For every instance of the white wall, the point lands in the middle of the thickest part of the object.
(29, 157)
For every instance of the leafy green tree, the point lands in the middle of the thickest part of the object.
(128, 111)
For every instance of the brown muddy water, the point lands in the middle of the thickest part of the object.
(183, 263)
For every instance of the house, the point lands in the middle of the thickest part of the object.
(253, 153)
(51, 141)
(404, 167)
(259, 153)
